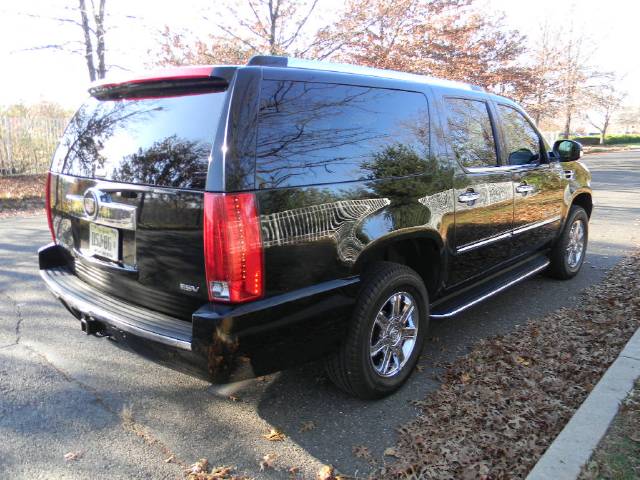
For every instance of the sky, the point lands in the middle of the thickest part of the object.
(32, 74)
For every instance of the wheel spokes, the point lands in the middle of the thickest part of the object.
(382, 320)
(393, 334)
(379, 346)
(386, 360)
(396, 305)
(406, 315)
(409, 333)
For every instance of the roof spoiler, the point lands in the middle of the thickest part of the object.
(165, 82)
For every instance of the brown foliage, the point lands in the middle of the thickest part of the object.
(178, 49)
(503, 404)
(444, 38)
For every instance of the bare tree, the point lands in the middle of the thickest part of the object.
(91, 32)
(272, 26)
(541, 91)
(628, 119)
(250, 27)
(90, 19)
(578, 79)
(604, 103)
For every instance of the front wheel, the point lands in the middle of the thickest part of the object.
(569, 251)
(386, 333)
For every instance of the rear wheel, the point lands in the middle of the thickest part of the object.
(386, 333)
(568, 254)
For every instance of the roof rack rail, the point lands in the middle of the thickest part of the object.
(278, 61)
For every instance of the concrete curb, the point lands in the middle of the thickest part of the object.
(573, 447)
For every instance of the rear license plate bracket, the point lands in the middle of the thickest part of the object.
(104, 241)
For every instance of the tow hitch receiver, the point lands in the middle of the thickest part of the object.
(89, 325)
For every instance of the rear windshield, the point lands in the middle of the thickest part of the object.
(158, 141)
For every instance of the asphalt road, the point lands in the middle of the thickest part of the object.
(61, 391)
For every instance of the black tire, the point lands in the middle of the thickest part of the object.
(560, 266)
(352, 367)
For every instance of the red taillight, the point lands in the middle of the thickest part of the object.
(47, 205)
(232, 247)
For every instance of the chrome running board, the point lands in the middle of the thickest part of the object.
(450, 307)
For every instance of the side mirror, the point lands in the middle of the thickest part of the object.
(567, 150)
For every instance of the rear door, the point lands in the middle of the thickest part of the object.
(129, 176)
(483, 190)
(537, 183)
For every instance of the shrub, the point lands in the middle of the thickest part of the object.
(608, 139)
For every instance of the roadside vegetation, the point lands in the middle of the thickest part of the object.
(618, 455)
(608, 140)
(21, 194)
(612, 148)
(500, 406)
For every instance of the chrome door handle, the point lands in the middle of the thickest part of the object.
(524, 188)
(467, 197)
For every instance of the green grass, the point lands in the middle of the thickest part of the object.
(618, 455)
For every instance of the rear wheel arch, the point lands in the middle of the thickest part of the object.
(423, 254)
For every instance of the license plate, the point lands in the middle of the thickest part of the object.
(103, 241)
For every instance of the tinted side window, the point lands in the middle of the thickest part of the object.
(521, 140)
(470, 133)
(313, 133)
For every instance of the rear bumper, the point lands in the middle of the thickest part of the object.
(222, 343)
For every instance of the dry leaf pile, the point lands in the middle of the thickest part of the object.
(21, 194)
(500, 406)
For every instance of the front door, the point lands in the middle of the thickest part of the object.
(537, 183)
(483, 192)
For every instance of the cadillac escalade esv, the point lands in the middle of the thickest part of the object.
(231, 221)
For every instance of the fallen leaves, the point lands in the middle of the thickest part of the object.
(307, 426)
(72, 456)
(21, 194)
(201, 470)
(267, 461)
(502, 404)
(201, 466)
(326, 472)
(361, 451)
(390, 452)
(21, 187)
(274, 435)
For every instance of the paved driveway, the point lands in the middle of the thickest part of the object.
(61, 391)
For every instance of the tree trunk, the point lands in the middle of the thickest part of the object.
(273, 18)
(87, 41)
(99, 18)
(603, 132)
(567, 122)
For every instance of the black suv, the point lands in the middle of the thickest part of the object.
(231, 221)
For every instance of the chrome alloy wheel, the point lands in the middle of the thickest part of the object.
(394, 334)
(575, 247)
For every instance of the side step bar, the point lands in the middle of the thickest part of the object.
(450, 307)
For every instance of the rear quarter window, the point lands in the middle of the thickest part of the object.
(162, 141)
(317, 133)
(470, 133)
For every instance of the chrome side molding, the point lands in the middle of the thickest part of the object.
(503, 236)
